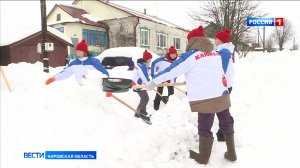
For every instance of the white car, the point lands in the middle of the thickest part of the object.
(120, 61)
(123, 56)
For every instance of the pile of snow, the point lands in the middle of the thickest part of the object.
(64, 116)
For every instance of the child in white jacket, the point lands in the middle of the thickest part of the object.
(79, 66)
(140, 76)
(223, 45)
(159, 65)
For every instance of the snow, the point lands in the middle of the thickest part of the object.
(59, 34)
(133, 52)
(65, 116)
(91, 17)
(9, 38)
(72, 20)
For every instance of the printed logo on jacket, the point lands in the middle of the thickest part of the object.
(206, 54)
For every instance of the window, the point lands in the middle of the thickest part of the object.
(145, 33)
(61, 29)
(58, 17)
(111, 62)
(177, 43)
(94, 37)
(161, 40)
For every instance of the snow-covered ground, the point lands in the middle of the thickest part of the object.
(66, 117)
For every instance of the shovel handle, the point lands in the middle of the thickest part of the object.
(179, 89)
(5, 80)
(160, 85)
(158, 93)
(122, 102)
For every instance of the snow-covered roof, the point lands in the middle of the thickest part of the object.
(72, 20)
(9, 38)
(91, 17)
(145, 16)
(79, 16)
(142, 15)
(59, 34)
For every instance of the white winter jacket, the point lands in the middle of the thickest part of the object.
(201, 69)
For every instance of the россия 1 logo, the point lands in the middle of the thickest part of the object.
(265, 22)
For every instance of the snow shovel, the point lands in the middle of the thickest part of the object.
(118, 85)
(144, 118)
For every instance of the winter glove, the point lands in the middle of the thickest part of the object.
(50, 80)
(150, 85)
(133, 83)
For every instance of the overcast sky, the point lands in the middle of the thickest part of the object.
(16, 15)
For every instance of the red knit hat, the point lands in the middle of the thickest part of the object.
(224, 36)
(82, 46)
(172, 50)
(146, 55)
(198, 32)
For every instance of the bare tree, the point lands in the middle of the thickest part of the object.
(123, 37)
(282, 34)
(232, 14)
(270, 44)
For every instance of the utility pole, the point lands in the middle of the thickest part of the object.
(294, 44)
(257, 37)
(44, 36)
(264, 30)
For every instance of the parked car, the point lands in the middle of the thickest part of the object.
(122, 56)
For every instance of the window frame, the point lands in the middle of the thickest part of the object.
(95, 37)
(144, 29)
(61, 29)
(58, 17)
(158, 40)
(174, 43)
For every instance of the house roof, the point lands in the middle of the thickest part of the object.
(145, 16)
(16, 37)
(142, 15)
(79, 15)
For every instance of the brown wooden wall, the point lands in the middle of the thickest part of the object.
(26, 51)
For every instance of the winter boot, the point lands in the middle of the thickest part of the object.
(156, 104)
(230, 154)
(220, 136)
(205, 146)
(141, 112)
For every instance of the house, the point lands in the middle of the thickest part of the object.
(23, 48)
(78, 24)
(125, 27)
